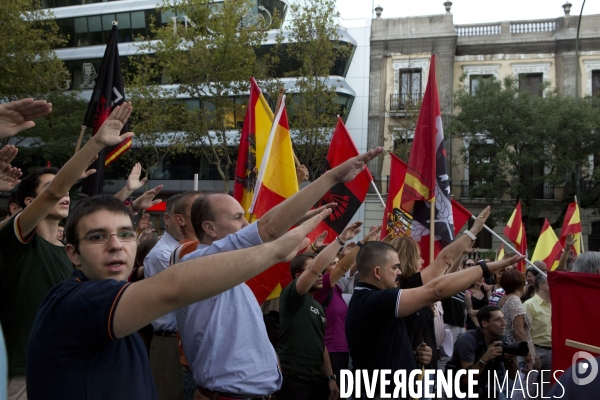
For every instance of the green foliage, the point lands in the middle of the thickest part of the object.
(309, 51)
(516, 142)
(211, 56)
(28, 66)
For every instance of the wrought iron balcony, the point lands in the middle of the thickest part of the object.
(400, 101)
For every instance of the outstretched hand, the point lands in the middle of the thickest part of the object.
(496, 266)
(287, 246)
(147, 199)
(17, 116)
(480, 220)
(109, 133)
(350, 231)
(354, 166)
(9, 178)
(133, 181)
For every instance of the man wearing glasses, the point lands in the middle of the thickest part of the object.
(83, 343)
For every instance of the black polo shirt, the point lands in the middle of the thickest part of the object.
(73, 352)
(376, 337)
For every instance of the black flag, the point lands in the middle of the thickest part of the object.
(108, 93)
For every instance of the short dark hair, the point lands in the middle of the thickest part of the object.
(372, 254)
(143, 249)
(533, 271)
(297, 264)
(170, 203)
(90, 205)
(202, 211)
(512, 280)
(29, 184)
(485, 313)
(179, 206)
(11, 199)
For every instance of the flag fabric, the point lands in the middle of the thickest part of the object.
(500, 255)
(421, 175)
(255, 135)
(427, 174)
(108, 93)
(461, 216)
(515, 232)
(548, 248)
(276, 181)
(572, 224)
(396, 222)
(349, 195)
(575, 314)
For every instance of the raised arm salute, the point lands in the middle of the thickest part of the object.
(81, 344)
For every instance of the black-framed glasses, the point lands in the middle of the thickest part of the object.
(103, 238)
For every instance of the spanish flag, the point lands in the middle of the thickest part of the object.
(548, 248)
(255, 134)
(500, 255)
(276, 182)
(572, 224)
(515, 232)
(396, 222)
(276, 179)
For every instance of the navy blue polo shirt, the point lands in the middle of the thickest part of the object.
(73, 353)
(377, 338)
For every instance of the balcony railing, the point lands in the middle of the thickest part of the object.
(464, 189)
(400, 101)
(479, 29)
(545, 191)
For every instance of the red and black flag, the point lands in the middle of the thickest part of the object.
(350, 195)
(108, 93)
(427, 174)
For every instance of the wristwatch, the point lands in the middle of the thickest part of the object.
(332, 377)
(481, 362)
(484, 268)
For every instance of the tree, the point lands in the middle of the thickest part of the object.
(517, 143)
(28, 66)
(310, 53)
(209, 51)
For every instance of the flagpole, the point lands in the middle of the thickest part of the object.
(511, 248)
(379, 194)
(281, 93)
(81, 133)
(579, 209)
(431, 229)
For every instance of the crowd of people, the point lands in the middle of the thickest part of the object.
(100, 308)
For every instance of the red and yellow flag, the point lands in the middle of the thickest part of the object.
(276, 179)
(276, 182)
(395, 221)
(500, 255)
(255, 134)
(572, 224)
(548, 248)
(515, 232)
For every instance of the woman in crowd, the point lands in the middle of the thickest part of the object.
(497, 292)
(530, 288)
(476, 297)
(518, 324)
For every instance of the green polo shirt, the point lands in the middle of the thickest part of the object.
(30, 267)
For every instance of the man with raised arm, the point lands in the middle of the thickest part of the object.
(33, 259)
(376, 334)
(224, 358)
(83, 343)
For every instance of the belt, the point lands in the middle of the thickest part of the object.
(230, 396)
(543, 347)
(165, 333)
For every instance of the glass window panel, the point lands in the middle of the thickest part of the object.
(165, 17)
(107, 21)
(124, 21)
(81, 25)
(138, 20)
(416, 83)
(94, 24)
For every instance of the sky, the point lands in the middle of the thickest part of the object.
(467, 11)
